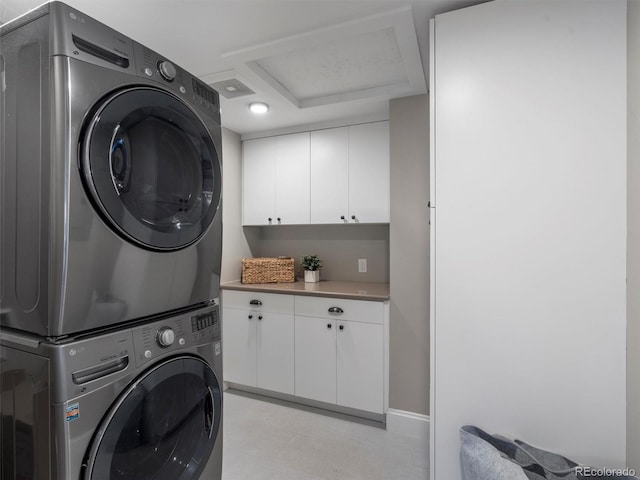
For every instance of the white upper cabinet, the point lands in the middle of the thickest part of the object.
(330, 175)
(259, 181)
(338, 175)
(292, 179)
(369, 173)
(276, 180)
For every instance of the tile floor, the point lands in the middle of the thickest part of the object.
(264, 440)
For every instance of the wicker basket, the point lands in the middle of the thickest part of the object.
(268, 270)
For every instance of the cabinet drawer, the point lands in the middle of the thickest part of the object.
(358, 310)
(268, 302)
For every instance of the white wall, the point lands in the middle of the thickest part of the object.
(530, 228)
(633, 238)
(234, 243)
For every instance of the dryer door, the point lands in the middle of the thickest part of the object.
(163, 426)
(151, 167)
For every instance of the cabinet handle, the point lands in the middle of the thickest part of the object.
(353, 217)
(336, 310)
(328, 325)
(259, 317)
(250, 317)
(279, 219)
(255, 302)
(341, 217)
(341, 327)
(270, 219)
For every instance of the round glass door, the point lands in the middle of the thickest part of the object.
(163, 426)
(152, 168)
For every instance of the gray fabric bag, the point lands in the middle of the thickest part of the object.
(492, 457)
(480, 460)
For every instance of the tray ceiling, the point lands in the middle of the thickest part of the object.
(375, 57)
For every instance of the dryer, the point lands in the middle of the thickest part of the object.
(111, 178)
(142, 402)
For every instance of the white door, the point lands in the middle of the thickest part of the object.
(330, 175)
(369, 173)
(292, 179)
(258, 181)
(530, 228)
(275, 352)
(315, 358)
(239, 340)
(360, 366)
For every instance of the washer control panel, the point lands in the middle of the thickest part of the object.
(174, 333)
(206, 325)
(165, 337)
(167, 70)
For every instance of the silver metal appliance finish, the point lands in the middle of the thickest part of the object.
(59, 399)
(64, 267)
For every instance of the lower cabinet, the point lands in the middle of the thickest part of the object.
(340, 362)
(239, 341)
(275, 353)
(316, 360)
(315, 348)
(360, 366)
(258, 348)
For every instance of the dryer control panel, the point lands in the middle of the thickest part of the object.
(176, 333)
(78, 36)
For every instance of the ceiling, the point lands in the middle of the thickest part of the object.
(315, 62)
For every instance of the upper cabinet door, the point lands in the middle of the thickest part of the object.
(369, 173)
(292, 179)
(330, 175)
(338, 175)
(259, 182)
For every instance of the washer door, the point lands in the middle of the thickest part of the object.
(163, 426)
(151, 168)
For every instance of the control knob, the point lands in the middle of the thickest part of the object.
(165, 337)
(167, 70)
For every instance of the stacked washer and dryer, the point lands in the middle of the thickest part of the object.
(110, 253)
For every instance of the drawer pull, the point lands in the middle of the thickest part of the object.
(328, 325)
(341, 327)
(336, 310)
(250, 317)
(259, 317)
(255, 302)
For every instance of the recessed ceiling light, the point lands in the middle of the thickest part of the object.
(259, 107)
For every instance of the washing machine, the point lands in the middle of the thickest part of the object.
(110, 160)
(140, 402)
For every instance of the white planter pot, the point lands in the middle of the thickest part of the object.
(312, 276)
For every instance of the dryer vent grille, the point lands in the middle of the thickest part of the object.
(232, 88)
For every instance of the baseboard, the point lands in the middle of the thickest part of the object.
(408, 423)
(330, 409)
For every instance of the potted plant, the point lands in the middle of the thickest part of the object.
(311, 265)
